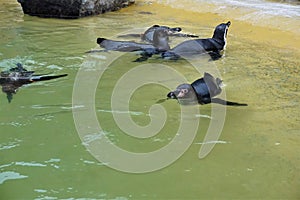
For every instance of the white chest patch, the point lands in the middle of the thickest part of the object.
(225, 40)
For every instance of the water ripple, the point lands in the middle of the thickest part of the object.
(214, 142)
(10, 175)
(10, 145)
(51, 162)
(30, 164)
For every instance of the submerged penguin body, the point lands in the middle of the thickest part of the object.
(16, 77)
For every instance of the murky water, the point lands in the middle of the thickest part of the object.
(256, 156)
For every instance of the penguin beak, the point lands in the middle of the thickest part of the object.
(171, 95)
(178, 93)
(176, 29)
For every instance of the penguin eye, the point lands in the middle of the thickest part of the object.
(185, 91)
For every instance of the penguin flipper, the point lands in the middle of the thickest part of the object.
(227, 103)
(130, 35)
(45, 78)
(183, 35)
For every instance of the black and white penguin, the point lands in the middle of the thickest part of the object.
(148, 35)
(14, 78)
(201, 91)
(199, 46)
(160, 44)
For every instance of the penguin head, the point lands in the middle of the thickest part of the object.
(200, 91)
(19, 68)
(221, 30)
(149, 34)
(185, 94)
(169, 29)
(176, 29)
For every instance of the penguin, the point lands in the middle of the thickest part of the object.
(160, 44)
(202, 91)
(213, 45)
(14, 78)
(148, 35)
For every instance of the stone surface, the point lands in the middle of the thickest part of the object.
(71, 8)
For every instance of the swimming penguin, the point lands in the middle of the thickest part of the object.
(148, 35)
(201, 91)
(160, 43)
(213, 45)
(14, 78)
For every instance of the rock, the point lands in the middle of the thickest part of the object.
(71, 8)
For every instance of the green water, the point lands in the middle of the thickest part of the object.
(43, 157)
